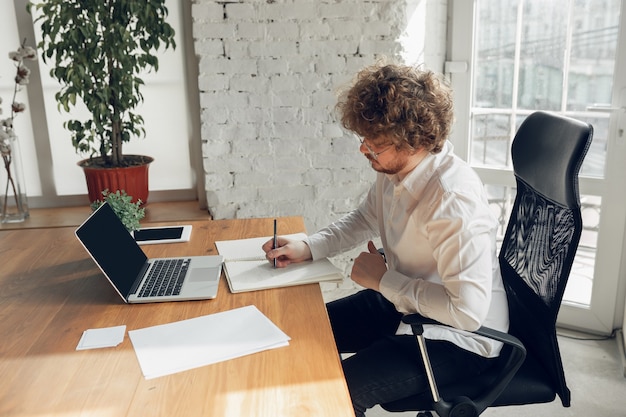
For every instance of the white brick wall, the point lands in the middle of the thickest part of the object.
(268, 75)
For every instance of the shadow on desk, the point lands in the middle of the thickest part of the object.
(77, 282)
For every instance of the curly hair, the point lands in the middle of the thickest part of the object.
(410, 107)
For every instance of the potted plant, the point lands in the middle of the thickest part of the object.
(99, 49)
(129, 212)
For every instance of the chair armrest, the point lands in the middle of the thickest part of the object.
(516, 356)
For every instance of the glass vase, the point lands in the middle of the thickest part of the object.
(13, 202)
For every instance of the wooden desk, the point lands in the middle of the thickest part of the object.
(51, 291)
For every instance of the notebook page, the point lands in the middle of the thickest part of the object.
(246, 268)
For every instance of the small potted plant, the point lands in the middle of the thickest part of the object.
(99, 49)
(129, 212)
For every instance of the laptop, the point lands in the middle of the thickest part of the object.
(138, 279)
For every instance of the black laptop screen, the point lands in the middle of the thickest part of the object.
(112, 247)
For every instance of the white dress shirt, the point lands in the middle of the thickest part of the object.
(438, 234)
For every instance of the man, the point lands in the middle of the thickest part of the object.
(431, 212)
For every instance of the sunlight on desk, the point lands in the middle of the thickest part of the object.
(101, 412)
(308, 400)
(74, 391)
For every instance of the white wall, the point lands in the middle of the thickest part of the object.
(268, 76)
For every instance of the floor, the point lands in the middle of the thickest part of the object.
(594, 374)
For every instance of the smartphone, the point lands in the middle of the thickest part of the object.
(164, 234)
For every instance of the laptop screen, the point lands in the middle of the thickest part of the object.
(112, 247)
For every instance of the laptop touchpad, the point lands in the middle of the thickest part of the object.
(202, 274)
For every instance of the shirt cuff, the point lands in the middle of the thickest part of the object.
(317, 245)
(392, 286)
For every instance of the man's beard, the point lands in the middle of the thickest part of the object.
(396, 166)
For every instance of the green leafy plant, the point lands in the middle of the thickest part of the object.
(129, 213)
(99, 48)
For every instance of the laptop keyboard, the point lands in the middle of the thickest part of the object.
(165, 277)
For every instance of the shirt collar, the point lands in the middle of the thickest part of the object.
(415, 182)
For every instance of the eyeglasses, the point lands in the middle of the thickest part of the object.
(371, 152)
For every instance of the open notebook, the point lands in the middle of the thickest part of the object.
(246, 268)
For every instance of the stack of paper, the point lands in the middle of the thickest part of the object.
(246, 268)
(179, 346)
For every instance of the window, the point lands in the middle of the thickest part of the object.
(560, 56)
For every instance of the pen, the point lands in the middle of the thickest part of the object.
(275, 241)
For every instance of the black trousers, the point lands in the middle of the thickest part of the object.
(384, 366)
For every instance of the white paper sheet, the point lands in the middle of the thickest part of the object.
(183, 345)
(101, 338)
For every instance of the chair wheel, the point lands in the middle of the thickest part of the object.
(424, 414)
(463, 407)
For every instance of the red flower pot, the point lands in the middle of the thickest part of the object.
(133, 179)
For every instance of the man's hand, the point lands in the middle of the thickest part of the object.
(369, 268)
(287, 252)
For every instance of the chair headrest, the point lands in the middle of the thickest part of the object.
(547, 152)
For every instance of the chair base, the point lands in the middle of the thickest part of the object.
(531, 385)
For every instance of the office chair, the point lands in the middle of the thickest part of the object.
(535, 259)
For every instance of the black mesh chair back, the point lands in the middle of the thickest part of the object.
(539, 246)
